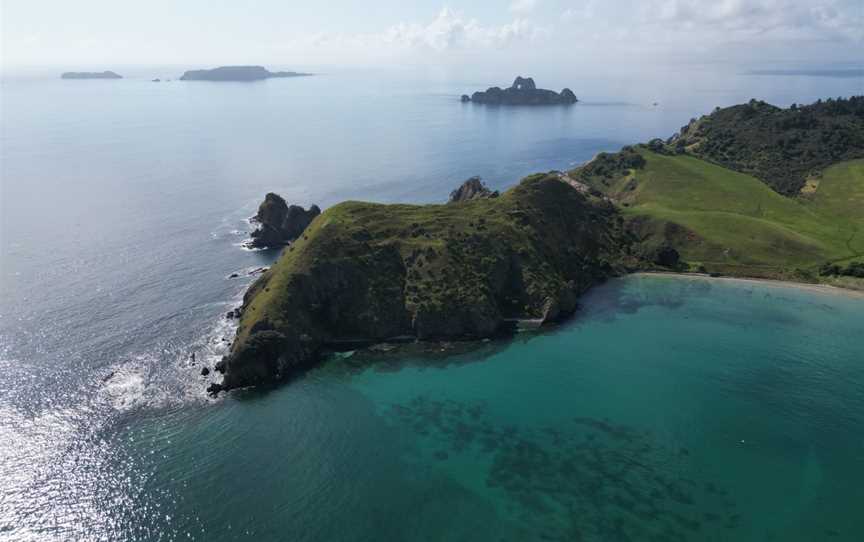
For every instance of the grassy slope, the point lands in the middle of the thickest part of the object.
(741, 226)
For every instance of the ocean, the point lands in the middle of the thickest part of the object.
(677, 409)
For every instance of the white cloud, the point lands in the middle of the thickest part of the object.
(627, 30)
(584, 11)
(450, 30)
(759, 19)
(523, 7)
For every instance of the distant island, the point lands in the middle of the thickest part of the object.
(751, 190)
(91, 75)
(523, 91)
(237, 73)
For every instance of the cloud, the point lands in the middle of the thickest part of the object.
(523, 7)
(450, 30)
(759, 19)
(627, 30)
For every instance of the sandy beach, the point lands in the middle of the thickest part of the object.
(820, 288)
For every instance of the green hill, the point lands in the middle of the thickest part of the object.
(366, 272)
(731, 222)
(781, 147)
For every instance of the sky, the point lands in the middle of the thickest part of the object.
(101, 34)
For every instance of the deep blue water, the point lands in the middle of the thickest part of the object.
(122, 208)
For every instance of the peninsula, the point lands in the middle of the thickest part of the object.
(91, 75)
(701, 201)
(237, 73)
(523, 91)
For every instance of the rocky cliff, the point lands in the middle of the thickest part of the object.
(473, 188)
(523, 91)
(366, 273)
(280, 223)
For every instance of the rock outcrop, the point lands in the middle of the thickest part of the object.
(91, 75)
(473, 188)
(370, 273)
(280, 223)
(523, 92)
(237, 73)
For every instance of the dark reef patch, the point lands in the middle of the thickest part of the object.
(587, 479)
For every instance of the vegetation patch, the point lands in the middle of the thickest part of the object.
(780, 147)
(731, 223)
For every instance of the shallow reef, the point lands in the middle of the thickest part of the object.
(588, 479)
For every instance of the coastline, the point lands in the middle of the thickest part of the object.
(817, 288)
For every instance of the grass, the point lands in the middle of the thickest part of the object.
(739, 225)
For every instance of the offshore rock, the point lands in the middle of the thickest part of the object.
(280, 223)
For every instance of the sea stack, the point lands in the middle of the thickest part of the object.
(280, 223)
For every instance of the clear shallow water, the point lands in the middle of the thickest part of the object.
(122, 205)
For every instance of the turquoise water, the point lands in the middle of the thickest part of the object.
(669, 409)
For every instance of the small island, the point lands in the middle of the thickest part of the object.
(91, 75)
(523, 92)
(237, 73)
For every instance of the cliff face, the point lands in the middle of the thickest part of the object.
(473, 188)
(523, 91)
(367, 272)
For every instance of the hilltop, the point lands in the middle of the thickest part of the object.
(696, 193)
(783, 148)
